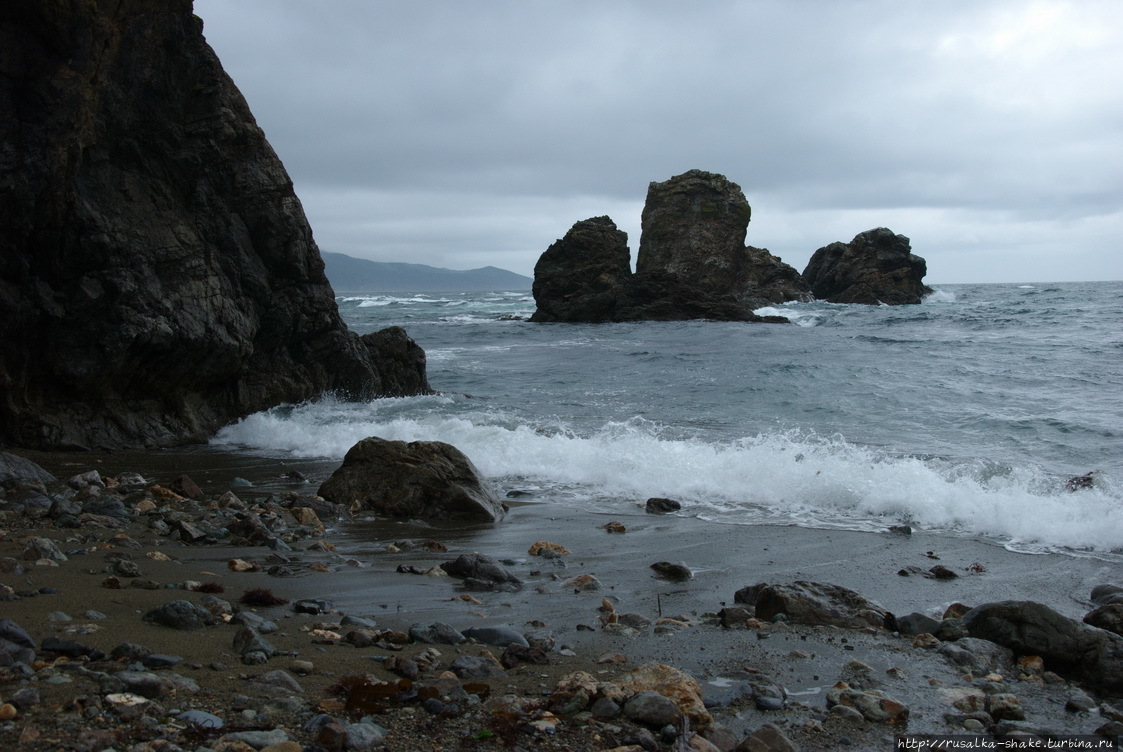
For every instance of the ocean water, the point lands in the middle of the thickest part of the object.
(964, 415)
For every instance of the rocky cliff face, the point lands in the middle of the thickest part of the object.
(877, 266)
(692, 262)
(158, 277)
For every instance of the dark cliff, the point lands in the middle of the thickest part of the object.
(158, 277)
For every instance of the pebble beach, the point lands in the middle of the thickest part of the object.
(597, 621)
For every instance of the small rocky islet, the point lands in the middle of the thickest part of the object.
(153, 654)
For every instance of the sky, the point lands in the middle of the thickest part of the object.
(467, 134)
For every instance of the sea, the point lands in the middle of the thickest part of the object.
(965, 415)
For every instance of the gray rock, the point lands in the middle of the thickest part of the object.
(977, 656)
(130, 651)
(803, 602)
(951, 630)
(247, 640)
(358, 621)
(480, 568)
(107, 506)
(182, 615)
(144, 683)
(1104, 595)
(428, 480)
(1109, 617)
(279, 679)
(255, 620)
(14, 469)
(258, 739)
(500, 635)
(767, 738)
(473, 667)
(874, 705)
(43, 548)
(1068, 647)
(914, 624)
(437, 633)
(364, 736)
(652, 709)
(605, 708)
(160, 660)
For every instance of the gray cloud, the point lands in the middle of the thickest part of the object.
(465, 134)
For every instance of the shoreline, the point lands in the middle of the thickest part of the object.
(360, 578)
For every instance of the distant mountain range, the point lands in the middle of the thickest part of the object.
(350, 274)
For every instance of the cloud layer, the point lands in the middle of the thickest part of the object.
(467, 134)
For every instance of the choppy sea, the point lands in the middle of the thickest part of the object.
(965, 415)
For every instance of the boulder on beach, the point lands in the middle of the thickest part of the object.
(428, 480)
(803, 602)
(1067, 646)
(15, 469)
(877, 266)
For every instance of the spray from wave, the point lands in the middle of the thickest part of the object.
(789, 476)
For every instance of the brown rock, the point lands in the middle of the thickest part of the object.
(419, 479)
(670, 682)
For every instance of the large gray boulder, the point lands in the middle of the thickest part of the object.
(158, 277)
(428, 480)
(803, 602)
(877, 266)
(14, 469)
(1067, 646)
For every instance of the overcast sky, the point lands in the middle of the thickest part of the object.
(465, 134)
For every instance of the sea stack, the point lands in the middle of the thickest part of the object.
(692, 262)
(877, 266)
(158, 277)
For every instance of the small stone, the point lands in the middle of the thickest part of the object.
(671, 571)
(539, 548)
(652, 709)
(201, 719)
(615, 527)
(769, 738)
(659, 505)
(583, 582)
(302, 668)
(8, 711)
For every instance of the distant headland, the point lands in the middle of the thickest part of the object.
(350, 274)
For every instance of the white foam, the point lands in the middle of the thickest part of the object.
(940, 296)
(779, 476)
(799, 316)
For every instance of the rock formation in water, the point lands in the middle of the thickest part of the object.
(580, 276)
(692, 262)
(158, 277)
(877, 266)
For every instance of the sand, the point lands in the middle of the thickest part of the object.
(363, 581)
